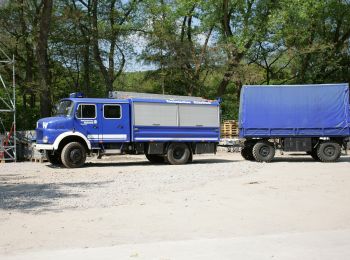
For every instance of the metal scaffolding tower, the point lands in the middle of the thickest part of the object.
(8, 149)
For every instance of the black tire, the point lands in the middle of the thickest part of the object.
(178, 153)
(263, 151)
(314, 155)
(247, 153)
(155, 158)
(73, 155)
(329, 151)
(54, 158)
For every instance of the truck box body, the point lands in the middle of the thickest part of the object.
(171, 120)
(295, 111)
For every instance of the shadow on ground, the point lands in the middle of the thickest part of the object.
(297, 158)
(147, 163)
(35, 196)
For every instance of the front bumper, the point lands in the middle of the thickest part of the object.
(43, 147)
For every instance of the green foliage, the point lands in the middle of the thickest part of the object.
(197, 47)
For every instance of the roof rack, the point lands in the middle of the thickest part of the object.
(127, 95)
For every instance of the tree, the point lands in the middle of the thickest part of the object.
(43, 57)
(178, 44)
(115, 18)
(242, 23)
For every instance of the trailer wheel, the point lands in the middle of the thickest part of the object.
(247, 153)
(329, 151)
(263, 151)
(178, 153)
(155, 158)
(54, 158)
(73, 155)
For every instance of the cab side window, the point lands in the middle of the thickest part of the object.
(86, 111)
(112, 112)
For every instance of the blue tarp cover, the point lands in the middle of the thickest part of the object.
(306, 110)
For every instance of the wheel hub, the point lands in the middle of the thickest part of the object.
(264, 151)
(75, 155)
(178, 153)
(329, 151)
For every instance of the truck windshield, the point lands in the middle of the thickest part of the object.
(64, 108)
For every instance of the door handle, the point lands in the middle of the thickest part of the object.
(95, 126)
(120, 126)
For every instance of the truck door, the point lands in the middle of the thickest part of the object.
(115, 123)
(87, 123)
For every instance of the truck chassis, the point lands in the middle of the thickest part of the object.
(320, 149)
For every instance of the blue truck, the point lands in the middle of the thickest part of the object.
(164, 128)
(295, 118)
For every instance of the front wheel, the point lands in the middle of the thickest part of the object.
(73, 155)
(263, 151)
(178, 153)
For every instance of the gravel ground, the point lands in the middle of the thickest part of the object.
(128, 207)
(111, 181)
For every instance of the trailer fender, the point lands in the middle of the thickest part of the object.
(70, 134)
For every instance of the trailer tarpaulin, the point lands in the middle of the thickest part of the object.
(295, 110)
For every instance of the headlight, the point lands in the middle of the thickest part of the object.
(45, 139)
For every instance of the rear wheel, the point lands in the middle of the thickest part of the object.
(54, 158)
(329, 151)
(155, 158)
(178, 153)
(263, 151)
(73, 155)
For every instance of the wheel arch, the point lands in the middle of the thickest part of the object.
(68, 137)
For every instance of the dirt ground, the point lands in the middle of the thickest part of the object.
(218, 207)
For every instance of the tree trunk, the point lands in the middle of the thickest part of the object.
(86, 69)
(234, 60)
(239, 89)
(96, 49)
(43, 59)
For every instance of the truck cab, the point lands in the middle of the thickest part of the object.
(163, 129)
(86, 123)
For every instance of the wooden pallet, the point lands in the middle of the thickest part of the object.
(229, 129)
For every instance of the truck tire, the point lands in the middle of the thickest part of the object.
(155, 158)
(247, 153)
(329, 151)
(263, 151)
(73, 155)
(54, 159)
(178, 153)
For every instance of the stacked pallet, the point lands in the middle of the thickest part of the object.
(229, 129)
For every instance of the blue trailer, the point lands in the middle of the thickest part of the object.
(311, 118)
(164, 128)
